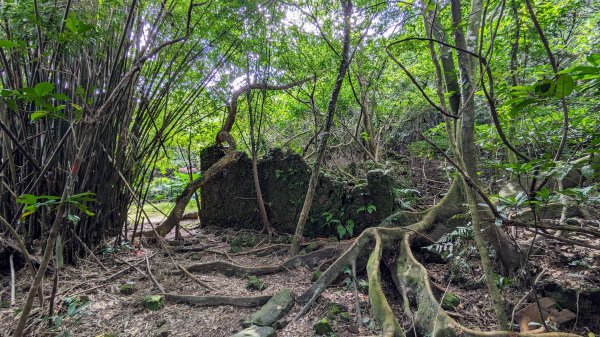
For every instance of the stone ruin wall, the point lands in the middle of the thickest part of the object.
(230, 199)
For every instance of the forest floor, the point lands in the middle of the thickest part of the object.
(99, 309)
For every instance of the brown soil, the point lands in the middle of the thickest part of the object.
(109, 311)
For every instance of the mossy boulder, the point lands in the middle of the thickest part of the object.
(127, 289)
(276, 308)
(450, 301)
(322, 327)
(153, 302)
(333, 310)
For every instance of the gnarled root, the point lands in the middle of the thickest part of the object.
(429, 317)
(252, 301)
(411, 280)
(309, 260)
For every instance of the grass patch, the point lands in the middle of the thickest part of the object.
(157, 209)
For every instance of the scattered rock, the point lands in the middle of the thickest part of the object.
(450, 301)
(277, 307)
(333, 310)
(127, 289)
(256, 331)
(153, 302)
(345, 316)
(322, 327)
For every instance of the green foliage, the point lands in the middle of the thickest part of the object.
(456, 244)
(78, 201)
(254, 283)
(346, 230)
(369, 208)
(405, 197)
(501, 281)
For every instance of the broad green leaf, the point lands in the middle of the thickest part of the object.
(564, 85)
(43, 88)
(62, 97)
(594, 59)
(77, 26)
(38, 115)
(27, 199)
(545, 88)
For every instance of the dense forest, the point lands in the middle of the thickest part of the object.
(300, 168)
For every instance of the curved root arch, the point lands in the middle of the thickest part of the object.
(409, 276)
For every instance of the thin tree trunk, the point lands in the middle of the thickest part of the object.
(314, 177)
(468, 159)
(182, 200)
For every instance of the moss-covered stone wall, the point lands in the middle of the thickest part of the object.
(230, 199)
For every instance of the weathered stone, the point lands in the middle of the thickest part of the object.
(450, 301)
(322, 327)
(230, 198)
(127, 289)
(277, 307)
(584, 301)
(333, 310)
(256, 331)
(153, 302)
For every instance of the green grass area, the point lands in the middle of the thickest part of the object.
(157, 209)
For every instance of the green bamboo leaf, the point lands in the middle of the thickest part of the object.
(8, 44)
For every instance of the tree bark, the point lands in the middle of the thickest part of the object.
(314, 178)
(468, 159)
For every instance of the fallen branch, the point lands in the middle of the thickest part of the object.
(252, 301)
(309, 260)
(160, 288)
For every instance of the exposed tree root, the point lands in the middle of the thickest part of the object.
(310, 260)
(411, 280)
(381, 308)
(196, 248)
(430, 318)
(252, 301)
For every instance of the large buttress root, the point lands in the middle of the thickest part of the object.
(411, 280)
(381, 308)
(429, 317)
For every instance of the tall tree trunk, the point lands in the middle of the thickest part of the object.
(468, 159)
(314, 177)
